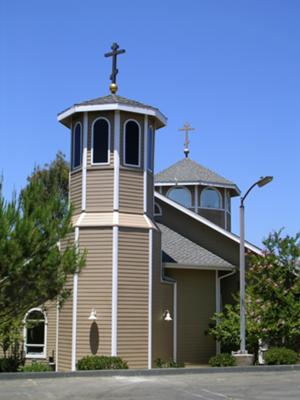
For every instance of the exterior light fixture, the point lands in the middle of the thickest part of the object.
(261, 182)
(93, 315)
(167, 316)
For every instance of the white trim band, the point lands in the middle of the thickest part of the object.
(114, 106)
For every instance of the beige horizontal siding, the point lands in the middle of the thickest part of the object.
(76, 190)
(162, 299)
(99, 190)
(133, 297)
(196, 305)
(51, 329)
(150, 194)
(131, 191)
(65, 323)
(94, 291)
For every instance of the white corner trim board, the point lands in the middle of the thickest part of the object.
(150, 299)
(114, 318)
(74, 310)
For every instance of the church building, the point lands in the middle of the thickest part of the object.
(161, 258)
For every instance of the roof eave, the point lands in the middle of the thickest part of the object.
(208, 223)
(65, 116)
(204, 183)
(205, 267)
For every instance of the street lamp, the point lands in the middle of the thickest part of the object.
(261, 182)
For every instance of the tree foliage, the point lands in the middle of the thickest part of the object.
(272, 298)
(33, 269)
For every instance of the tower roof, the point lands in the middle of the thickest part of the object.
(187, 171)
(112, 102)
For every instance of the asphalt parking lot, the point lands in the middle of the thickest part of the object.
(281, 385)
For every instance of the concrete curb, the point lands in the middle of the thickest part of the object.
(147, 372)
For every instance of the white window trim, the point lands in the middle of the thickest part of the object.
(92, 142)
(73, 147)
(219, 195)
(44, 345)
(181, 187)
(160, 210)
(152, 145)
(124, 145)
(227, 198)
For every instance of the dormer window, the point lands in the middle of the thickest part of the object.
(100, 141)
(181, 195)
(132, 144)
(210, 198)
(77, 146)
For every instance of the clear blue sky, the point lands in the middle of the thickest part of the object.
(230, 68)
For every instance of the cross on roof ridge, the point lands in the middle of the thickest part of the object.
(186, 128)
(113, 77)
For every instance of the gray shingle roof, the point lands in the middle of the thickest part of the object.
(112, 98)
(187, 170)
(178, 249)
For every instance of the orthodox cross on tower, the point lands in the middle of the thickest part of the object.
(186, 128)
(113, 77)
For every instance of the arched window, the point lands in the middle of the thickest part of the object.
(77, 145)
(100, 141)
(181, 195)
(132, 144)
(210, 198)
(35, 333)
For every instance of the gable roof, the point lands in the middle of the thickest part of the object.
(208, 223)
(188, 171)
(112, 102)
(179, 250)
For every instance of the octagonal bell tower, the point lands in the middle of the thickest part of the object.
(111, 190)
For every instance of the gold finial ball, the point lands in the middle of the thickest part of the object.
(113, 88)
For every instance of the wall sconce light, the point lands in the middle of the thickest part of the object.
(93, 315)
(167, 316)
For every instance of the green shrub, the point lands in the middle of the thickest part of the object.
(222, 360)
(159, 363)
(36, 367)
(10, 364)
(101, 362)
(280, 355)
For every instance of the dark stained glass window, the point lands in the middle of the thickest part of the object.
(132, 143)
(77, 146)
(150, 148)
(100, 141)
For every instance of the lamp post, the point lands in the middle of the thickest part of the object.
(261, 182)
